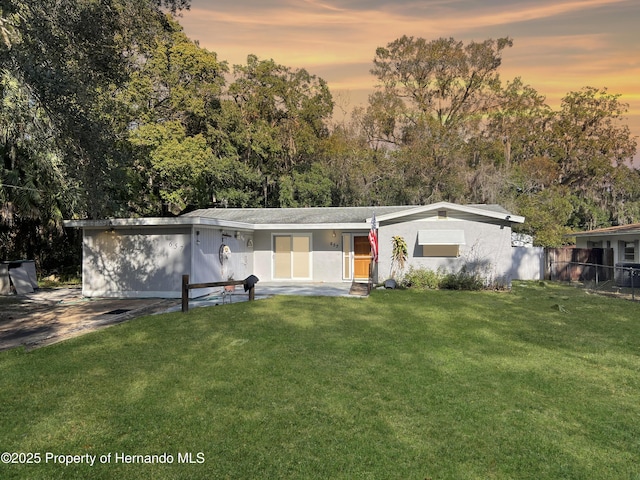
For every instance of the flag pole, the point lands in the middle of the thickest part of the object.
(373, 241)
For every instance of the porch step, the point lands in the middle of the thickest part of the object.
(359, 289)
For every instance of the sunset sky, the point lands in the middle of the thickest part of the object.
(559, 45)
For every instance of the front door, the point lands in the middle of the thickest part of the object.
(361, 257)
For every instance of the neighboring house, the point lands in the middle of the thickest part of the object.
(146, 257)
(623, 239)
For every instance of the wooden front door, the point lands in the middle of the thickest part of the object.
(361, 257)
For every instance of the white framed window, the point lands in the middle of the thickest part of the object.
(292, 256)
(347, 257)
(627, 251)
(441, 243)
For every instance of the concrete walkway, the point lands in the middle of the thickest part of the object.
(269, 289)
(320, 289)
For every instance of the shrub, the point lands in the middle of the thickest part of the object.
(463, 280)
(422, 278)
(398, 255)
(425, 279)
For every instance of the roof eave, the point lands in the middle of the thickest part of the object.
(212, 222)
(452, 206)
(312, 226)
(603, 233)
(155, 222)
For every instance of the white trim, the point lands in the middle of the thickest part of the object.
(352, 257)
(347, 241)
(622, 251)
(450, 206)
(211, 222)
(107, 223)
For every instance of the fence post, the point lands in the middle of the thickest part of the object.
(185, 293)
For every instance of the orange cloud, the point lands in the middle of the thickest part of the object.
(336, 41)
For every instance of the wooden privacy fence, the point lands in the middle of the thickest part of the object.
(579, 264)
(249, 283)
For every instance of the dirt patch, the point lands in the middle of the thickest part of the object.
(51, 315)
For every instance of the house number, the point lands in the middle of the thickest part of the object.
(175, 246)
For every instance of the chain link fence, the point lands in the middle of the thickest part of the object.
(621, 280)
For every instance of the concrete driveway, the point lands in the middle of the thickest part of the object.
(51, 315)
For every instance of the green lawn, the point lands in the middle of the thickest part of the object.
(541, 383)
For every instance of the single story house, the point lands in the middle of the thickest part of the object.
(623, 239)
(146, 257)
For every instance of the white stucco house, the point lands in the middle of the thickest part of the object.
(623, 239)
(146, 257)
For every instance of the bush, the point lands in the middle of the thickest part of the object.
(425, 279)
(422, 279)
(462, 280)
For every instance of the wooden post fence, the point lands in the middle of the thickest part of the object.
(186, 286)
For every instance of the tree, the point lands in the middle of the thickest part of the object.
(73, 55)
(63, 140)
(35, 191)
(590, 144)
(547, 214)
(442, 80)
(310, 187)
(587, 137)
(351, 166)
(518, 122)
(181, 156)
(276, 118)
(454, 132)
(625, 195)
(430, 110)
(176, 81)
(178, 163)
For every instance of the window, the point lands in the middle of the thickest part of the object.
(442, 214)
(441, 243)
(440, 250)
(628, 251)
(346, 256)
(292, 256)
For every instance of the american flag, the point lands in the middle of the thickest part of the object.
(373, 238)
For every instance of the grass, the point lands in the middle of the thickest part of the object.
(57, 282)
(539, 383)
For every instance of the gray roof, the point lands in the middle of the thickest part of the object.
(312, 215)
(631, 229)
(322, 215)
